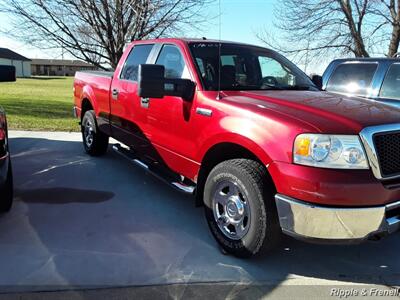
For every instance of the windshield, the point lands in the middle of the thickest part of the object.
(246, 68)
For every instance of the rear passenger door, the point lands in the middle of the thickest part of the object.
(127, 117)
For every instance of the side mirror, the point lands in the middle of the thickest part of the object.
(317, 80)
(153, 84)
(151, 81)
(7, 74)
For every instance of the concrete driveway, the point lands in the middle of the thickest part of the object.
(81, 222)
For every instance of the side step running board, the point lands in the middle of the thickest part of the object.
(129, 155)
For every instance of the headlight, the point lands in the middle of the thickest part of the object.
(330, 151)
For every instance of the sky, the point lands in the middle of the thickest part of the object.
(240, 21)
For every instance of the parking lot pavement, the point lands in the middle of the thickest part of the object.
(100, 222)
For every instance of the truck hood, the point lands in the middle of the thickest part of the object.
(326, 112)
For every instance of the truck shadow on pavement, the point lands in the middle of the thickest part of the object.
(62, 196)
(82, 222)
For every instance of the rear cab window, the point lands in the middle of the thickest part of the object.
(352, 78)
(137, 56)
(391, 85)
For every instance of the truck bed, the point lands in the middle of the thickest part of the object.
(94, 85)
(98, 73)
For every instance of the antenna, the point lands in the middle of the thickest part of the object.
(219, 54)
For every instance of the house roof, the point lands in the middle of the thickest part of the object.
(61, 62)
(9, 54)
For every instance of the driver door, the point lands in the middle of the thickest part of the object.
(170, 119)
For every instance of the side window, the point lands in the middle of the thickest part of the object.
(391, 85)
(200, 63)
(234, 71)
(353, 78)
(273, 72)
(171, 58)
(137, 56)
(228, 60)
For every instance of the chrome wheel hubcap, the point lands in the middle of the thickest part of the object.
(89, 133)
(231, 210)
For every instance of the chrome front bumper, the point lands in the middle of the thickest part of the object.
(308, 221)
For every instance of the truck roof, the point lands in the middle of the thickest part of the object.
(361, 59)
(195, 40)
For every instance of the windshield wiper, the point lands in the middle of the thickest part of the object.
(268, 87)
(299, 88)
(265, 87)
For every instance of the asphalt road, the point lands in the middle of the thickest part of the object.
(88, 223)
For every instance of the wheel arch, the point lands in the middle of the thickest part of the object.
(221, 152)
(88, 100)
(86, 105)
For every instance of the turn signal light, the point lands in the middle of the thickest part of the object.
(302, 146)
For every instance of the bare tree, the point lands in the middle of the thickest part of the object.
(97, 31)
(319, 28)
(389, 12)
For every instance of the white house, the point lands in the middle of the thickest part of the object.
(22, 64)
(59, 67)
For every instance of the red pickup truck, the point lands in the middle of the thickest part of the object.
(260, 146)
(6, 178)
(7, 74)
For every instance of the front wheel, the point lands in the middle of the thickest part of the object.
(240, 208)
(94, 141)
(6, 191)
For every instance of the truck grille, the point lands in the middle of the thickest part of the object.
(387, 146)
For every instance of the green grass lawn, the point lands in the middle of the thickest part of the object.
(39, 103)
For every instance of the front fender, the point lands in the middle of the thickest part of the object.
(267, 139)
(234, 138)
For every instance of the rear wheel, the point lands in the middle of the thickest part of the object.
(240, 208)
(6, 192)
(94, 141)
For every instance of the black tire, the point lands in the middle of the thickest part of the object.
(95, 142)
(6, 192)
(263, 232)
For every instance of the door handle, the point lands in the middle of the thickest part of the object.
(115, 94)
(145, 102)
